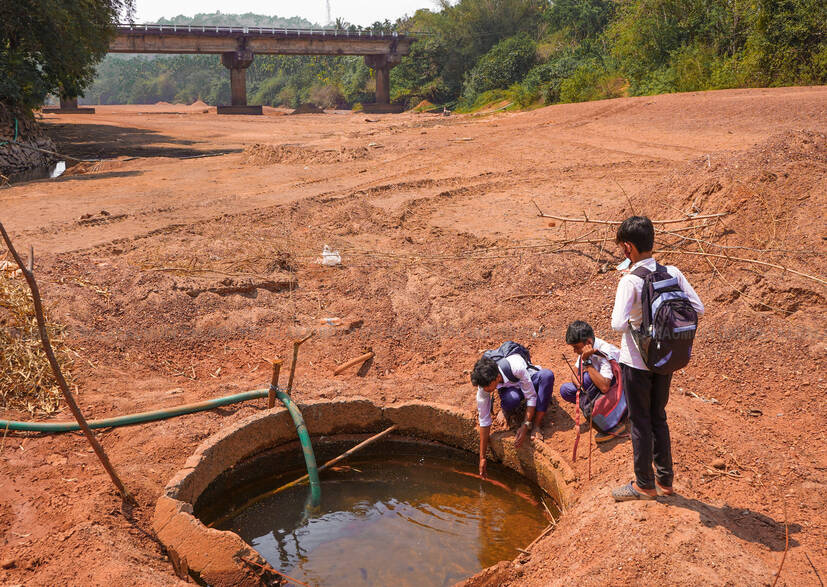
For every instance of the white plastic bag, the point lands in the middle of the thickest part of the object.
(330, 258)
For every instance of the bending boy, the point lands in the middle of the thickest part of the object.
(595, 355)
(646, 392)
(514, 380)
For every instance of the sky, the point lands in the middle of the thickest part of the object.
(360, 12)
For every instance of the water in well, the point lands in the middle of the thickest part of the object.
(399, 515)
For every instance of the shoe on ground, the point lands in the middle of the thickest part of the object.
(615, 432)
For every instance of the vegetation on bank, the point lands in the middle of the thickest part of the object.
(468, 53)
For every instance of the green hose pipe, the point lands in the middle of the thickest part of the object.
(138, 418)
(307, 447)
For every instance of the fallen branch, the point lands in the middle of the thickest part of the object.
(360, 359)
(786, 545)
(28, 274)
(519, 296)
(542, 535)
(25, 146)
(744, 260)
(815, 570)
(586, 218)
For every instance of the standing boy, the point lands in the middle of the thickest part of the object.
(646, 392)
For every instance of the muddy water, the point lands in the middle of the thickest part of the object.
(415, 518)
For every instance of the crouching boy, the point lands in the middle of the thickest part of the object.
(594, 361)
(509, 371)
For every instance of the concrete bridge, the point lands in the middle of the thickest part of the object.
(239, 45)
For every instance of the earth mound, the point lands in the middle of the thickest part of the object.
(769, 198)
(308, 109)
(260, 155)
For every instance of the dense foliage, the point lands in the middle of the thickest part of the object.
(51, 46)
(528, 52)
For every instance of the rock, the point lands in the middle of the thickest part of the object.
(719, 463)
(8, 563)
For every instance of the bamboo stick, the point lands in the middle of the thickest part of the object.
(303, 478)
(360, 359)
(274, 384)
(296, 344)
(28, 274)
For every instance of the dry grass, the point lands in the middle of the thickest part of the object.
(26, 379)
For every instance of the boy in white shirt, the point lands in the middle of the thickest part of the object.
(646, 392)
(595, 355)
(514, 380)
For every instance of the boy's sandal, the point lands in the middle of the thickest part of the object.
(664, 490)
(629, 493)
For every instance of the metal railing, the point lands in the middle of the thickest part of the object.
(245, 30)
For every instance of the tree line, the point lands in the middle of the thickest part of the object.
(468, 53)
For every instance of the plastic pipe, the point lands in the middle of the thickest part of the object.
(307, 447)
(139, 418)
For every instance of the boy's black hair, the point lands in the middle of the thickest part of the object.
(579, 331)
(639, 231)
(485, 371)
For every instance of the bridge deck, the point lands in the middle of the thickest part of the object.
(261, 40)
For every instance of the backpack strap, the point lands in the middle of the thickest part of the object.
(505, 367)
(642, 271)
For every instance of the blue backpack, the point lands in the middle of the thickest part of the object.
(505, 350)
(669, 322)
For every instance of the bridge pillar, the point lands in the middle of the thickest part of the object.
(381, 66)
(238, 62)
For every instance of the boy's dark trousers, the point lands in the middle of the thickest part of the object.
(646, 396)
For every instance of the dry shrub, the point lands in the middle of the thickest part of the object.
(26, 379)
(261, 155)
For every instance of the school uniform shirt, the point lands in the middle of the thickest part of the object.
(628, 306)
(520, 370)
(603, 366)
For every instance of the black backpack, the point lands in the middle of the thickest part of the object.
(507, 349)
(669, 322)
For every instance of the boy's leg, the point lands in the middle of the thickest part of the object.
(543, 381)
(637, 387)
(660, 429)
(510, 400)
(568, 391)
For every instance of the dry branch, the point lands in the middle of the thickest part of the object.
(28, 274)
(744, 260)
(588, 220)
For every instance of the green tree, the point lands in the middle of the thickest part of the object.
(52, 46)
(506, 63)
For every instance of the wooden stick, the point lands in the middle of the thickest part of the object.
(25, 146)
(360, 359)
(786, 545)
(815, 570)
(303, 478)
(296, 344)
(50, 355)
(269, 567)
(530, 295)
(744, 260)
(586, 219)
(542, 535)
(274, 383)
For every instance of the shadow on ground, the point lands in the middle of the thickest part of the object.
(106, 141)
(743, 523)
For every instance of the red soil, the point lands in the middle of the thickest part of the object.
(438, 235)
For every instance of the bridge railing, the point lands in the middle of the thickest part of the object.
(244, 30)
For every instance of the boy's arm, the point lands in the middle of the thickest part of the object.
(599, 381)
(624, 301)
(484, 401)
